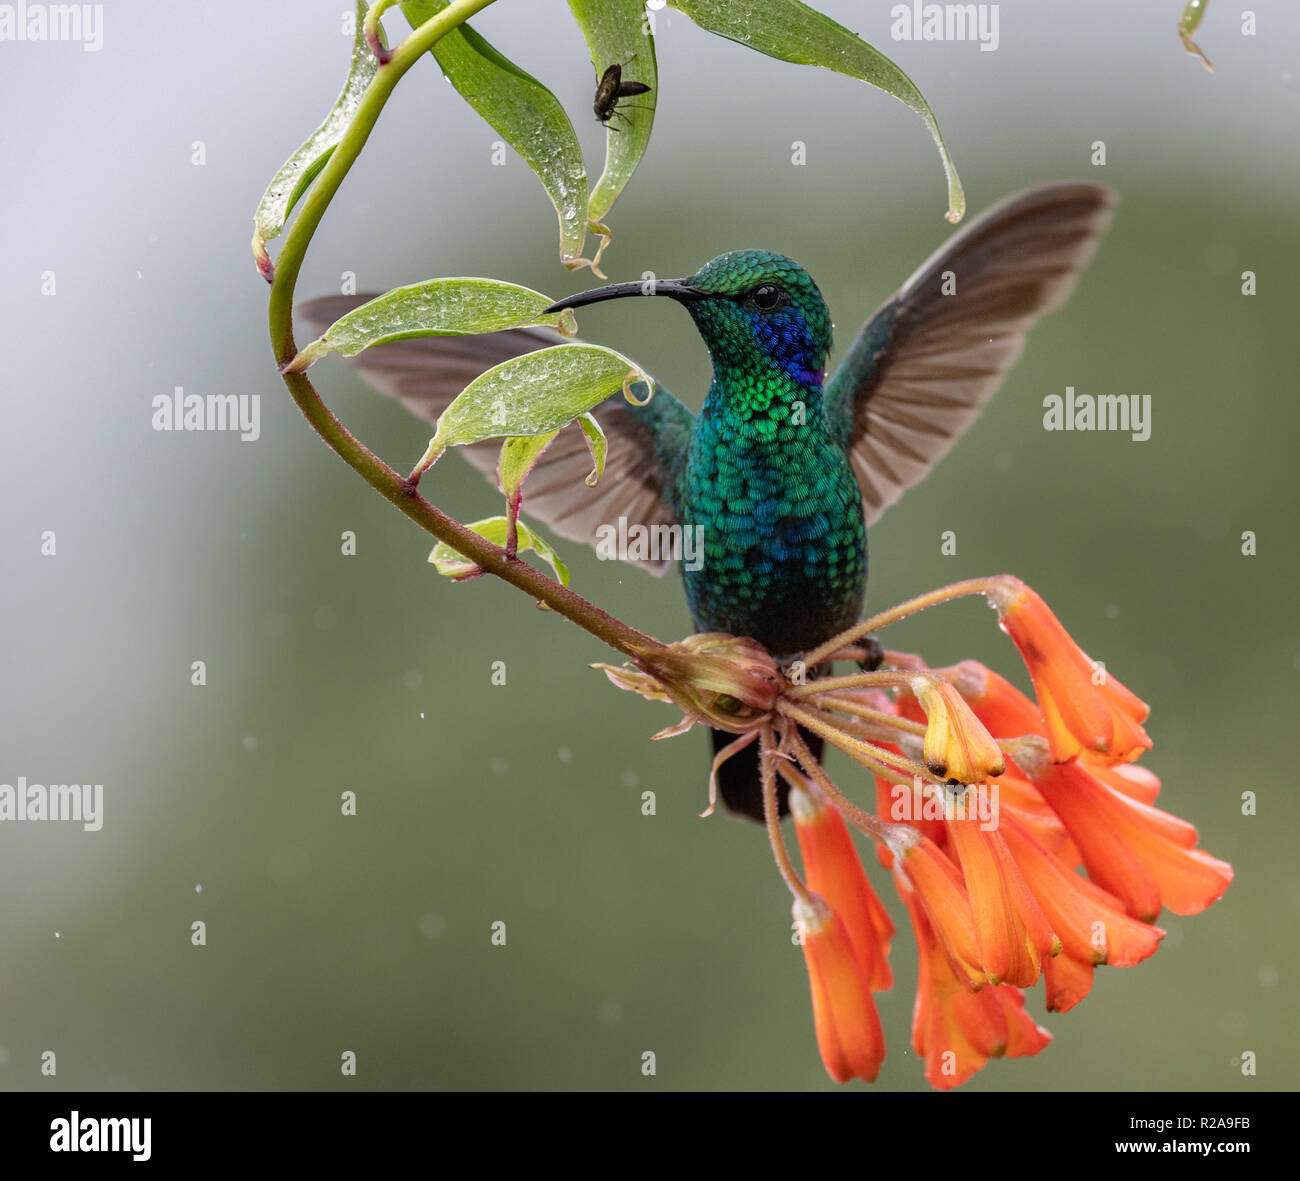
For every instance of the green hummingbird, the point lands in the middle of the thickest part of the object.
(784, 468)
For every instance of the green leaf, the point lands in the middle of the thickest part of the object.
(297, 173)
(596, 442)
(524, 113)
(793, 32)
(617, 31)
(453, 564)
(518, 454)
(439, 307)
(533, 394)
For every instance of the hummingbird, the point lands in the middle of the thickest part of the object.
(785, 466)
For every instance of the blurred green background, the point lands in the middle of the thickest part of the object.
(369, 674)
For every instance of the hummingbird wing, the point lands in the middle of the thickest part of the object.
(923, 366)
(646, 444)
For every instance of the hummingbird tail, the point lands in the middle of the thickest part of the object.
(739, 781)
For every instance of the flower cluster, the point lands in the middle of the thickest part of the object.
(988, 803)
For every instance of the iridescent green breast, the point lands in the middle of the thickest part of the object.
(783, 539)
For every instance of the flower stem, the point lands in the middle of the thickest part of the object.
(972, 586)
(885, 678)
(772, 817)
(878, 830)
(847, 705)
(883, 763)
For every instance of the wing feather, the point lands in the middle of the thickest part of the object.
(923, 366)
(646, 446)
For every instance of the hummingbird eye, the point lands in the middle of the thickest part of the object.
(767, 297)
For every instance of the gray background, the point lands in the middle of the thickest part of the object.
(522, 803)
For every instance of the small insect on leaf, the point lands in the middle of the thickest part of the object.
(609, 90)
(617, 31)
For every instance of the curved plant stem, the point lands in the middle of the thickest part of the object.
(396, 489)
(877, 830)
(880, 762)
(843, 704)
(972, 586)
(772, 817)
(887, 678)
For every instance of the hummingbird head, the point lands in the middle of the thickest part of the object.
(753, 308)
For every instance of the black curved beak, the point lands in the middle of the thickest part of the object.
(677, 289)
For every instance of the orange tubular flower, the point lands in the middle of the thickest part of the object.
(1132, 849)
(898, 801)
(1019, 798)
(1013, 933)
(957, 747)
(833, 870)
(941, 894)
(1000, 801)
(1091, 923)
(849, 1036)
(1084, 707)
(955, 1030)
(1133, 781)
(997, 703)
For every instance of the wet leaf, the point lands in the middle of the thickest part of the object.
(618, 32)
(524, 113)
(793, 32)
(453, 564)
(518, 455)
(438, 307)
(1193, 12)
(297, 173)
(532, 394)
(597, 443)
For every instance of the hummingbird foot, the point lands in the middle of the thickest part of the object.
(873, 655)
